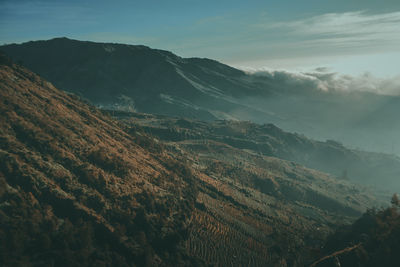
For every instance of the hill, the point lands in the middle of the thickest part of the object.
(249, 197)
(138, 78)
(80, 188)
(76, 190)
(368, 168)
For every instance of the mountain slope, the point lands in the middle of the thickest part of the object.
(128, 77)
(134, 77)
(271, 210)
(76, 190)
(79, 188)
(368, 168)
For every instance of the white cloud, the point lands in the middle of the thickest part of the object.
(322, 79)
(350, 42)
(346, 30)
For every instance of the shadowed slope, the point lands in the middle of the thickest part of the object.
(133, 77)
(376, 234)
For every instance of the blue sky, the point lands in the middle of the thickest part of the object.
(348, 36)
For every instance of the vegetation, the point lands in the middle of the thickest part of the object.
(373, 240)
(253, 210)
(79, 188)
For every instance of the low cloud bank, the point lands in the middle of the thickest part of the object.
(323, 80)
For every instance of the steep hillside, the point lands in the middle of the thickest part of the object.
(275, 211)
(77, 190)
(375, 169)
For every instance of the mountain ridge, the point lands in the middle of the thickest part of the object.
(134, 73)
(139, 78)
(367, 168)
(80, 188)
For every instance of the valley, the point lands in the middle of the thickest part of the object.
(85, 186)
(139, 78)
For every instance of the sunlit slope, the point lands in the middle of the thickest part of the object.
(76, 189)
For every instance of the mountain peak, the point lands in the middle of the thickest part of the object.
(105, 72)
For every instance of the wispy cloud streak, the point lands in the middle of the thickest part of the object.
(350, 29)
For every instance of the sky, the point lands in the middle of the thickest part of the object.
(346, 36)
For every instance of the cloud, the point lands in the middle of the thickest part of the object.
(322, 80)
(344, 30)
(322, 69)
(349, 42)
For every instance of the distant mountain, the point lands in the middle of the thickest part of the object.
(80, 188)
(367, 168)
(135, 77)
(138, 78)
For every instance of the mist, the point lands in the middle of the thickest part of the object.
(359, 111)
(322, 78)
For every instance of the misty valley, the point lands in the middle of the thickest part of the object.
(123, 155)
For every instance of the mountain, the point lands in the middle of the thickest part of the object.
(134, 77)
(138, 78)
(76, 190)
(368, 168)
(81, 188)
(246, 186)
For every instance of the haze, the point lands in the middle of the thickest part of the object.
(351, 37)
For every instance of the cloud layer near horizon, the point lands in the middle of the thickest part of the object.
(323, 80)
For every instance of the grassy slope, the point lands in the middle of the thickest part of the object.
(77, 189)
(254, 209)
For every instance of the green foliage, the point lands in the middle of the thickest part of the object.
(395, 201)
(377, 232)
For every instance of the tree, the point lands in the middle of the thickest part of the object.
(395, 201)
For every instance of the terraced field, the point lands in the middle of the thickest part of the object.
(253, 209)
